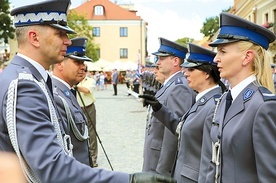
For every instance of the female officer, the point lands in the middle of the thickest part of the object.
(194, 127)
(243, 137)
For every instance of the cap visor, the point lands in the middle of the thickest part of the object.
(222, 41)
(66, 28)
(188, 64)
(84, 58)
(161, 54)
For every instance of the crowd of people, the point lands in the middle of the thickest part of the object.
(210, 114)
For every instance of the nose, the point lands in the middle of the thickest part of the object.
(186, 73)
(216, 59)
(67, 41)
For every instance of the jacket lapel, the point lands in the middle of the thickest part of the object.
(238, 104)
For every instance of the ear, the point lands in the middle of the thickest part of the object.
(248, 57)
(33, 37)
(60, 66)
(176, 61)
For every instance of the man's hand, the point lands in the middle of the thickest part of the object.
(150, 178)
(151, 100)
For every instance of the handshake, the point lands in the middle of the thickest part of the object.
(151, 100)
(150, 178)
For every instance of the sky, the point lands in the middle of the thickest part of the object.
(170, 19)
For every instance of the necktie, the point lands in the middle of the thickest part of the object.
(228, 102)
(49, 84)
(74, 92)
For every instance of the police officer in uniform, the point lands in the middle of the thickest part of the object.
(194, 127)
(243, 135)
(30, 124)
(160, 143)
(66, 74)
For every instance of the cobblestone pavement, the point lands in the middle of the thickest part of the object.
(120, 126)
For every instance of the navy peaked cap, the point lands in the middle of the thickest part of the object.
(272, 65)
(234, 28)
(198, 55)
(77, 49)
(169, 48)
(52, 12)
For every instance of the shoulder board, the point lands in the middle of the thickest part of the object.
(178, 81)
(267, 95)
(25, 76)
(216, 98)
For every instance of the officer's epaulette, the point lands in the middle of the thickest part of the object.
(216, 98)
(267, 95)
(178, 81)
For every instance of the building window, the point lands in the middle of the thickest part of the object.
(266, 17)
(96, 31)
(123, 31)
(123, 53)
(98, 10)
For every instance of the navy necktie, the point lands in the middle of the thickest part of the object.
(49, 84)
(228, 102)
(74, 92)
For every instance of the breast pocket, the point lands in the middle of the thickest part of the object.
(189, 173)
(79, 121)
(156, 145)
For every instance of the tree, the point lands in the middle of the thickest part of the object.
(184, 41)
(211, 25)
(80, 25)
(6, 26)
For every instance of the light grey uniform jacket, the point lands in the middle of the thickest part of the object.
(80, 148)
(160, 144)
(36, 134)
(248, 138)
(195, 130)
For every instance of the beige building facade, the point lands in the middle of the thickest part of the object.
(119, 32)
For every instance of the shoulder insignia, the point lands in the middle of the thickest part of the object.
(178, 81)
(26, 76)
(267, 95)
(202, 100)
(216, 98)
(67, 93)
(247, 94)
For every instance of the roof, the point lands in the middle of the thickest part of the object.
(111, 11)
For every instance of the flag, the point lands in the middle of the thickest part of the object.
(138, 70)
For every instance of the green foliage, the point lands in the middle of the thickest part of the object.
(80, 25)
(210, 26)
(184, 41)
(6, 25)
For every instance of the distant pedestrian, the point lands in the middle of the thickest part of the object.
(87, 101)
(102, 80)
(115, 81)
